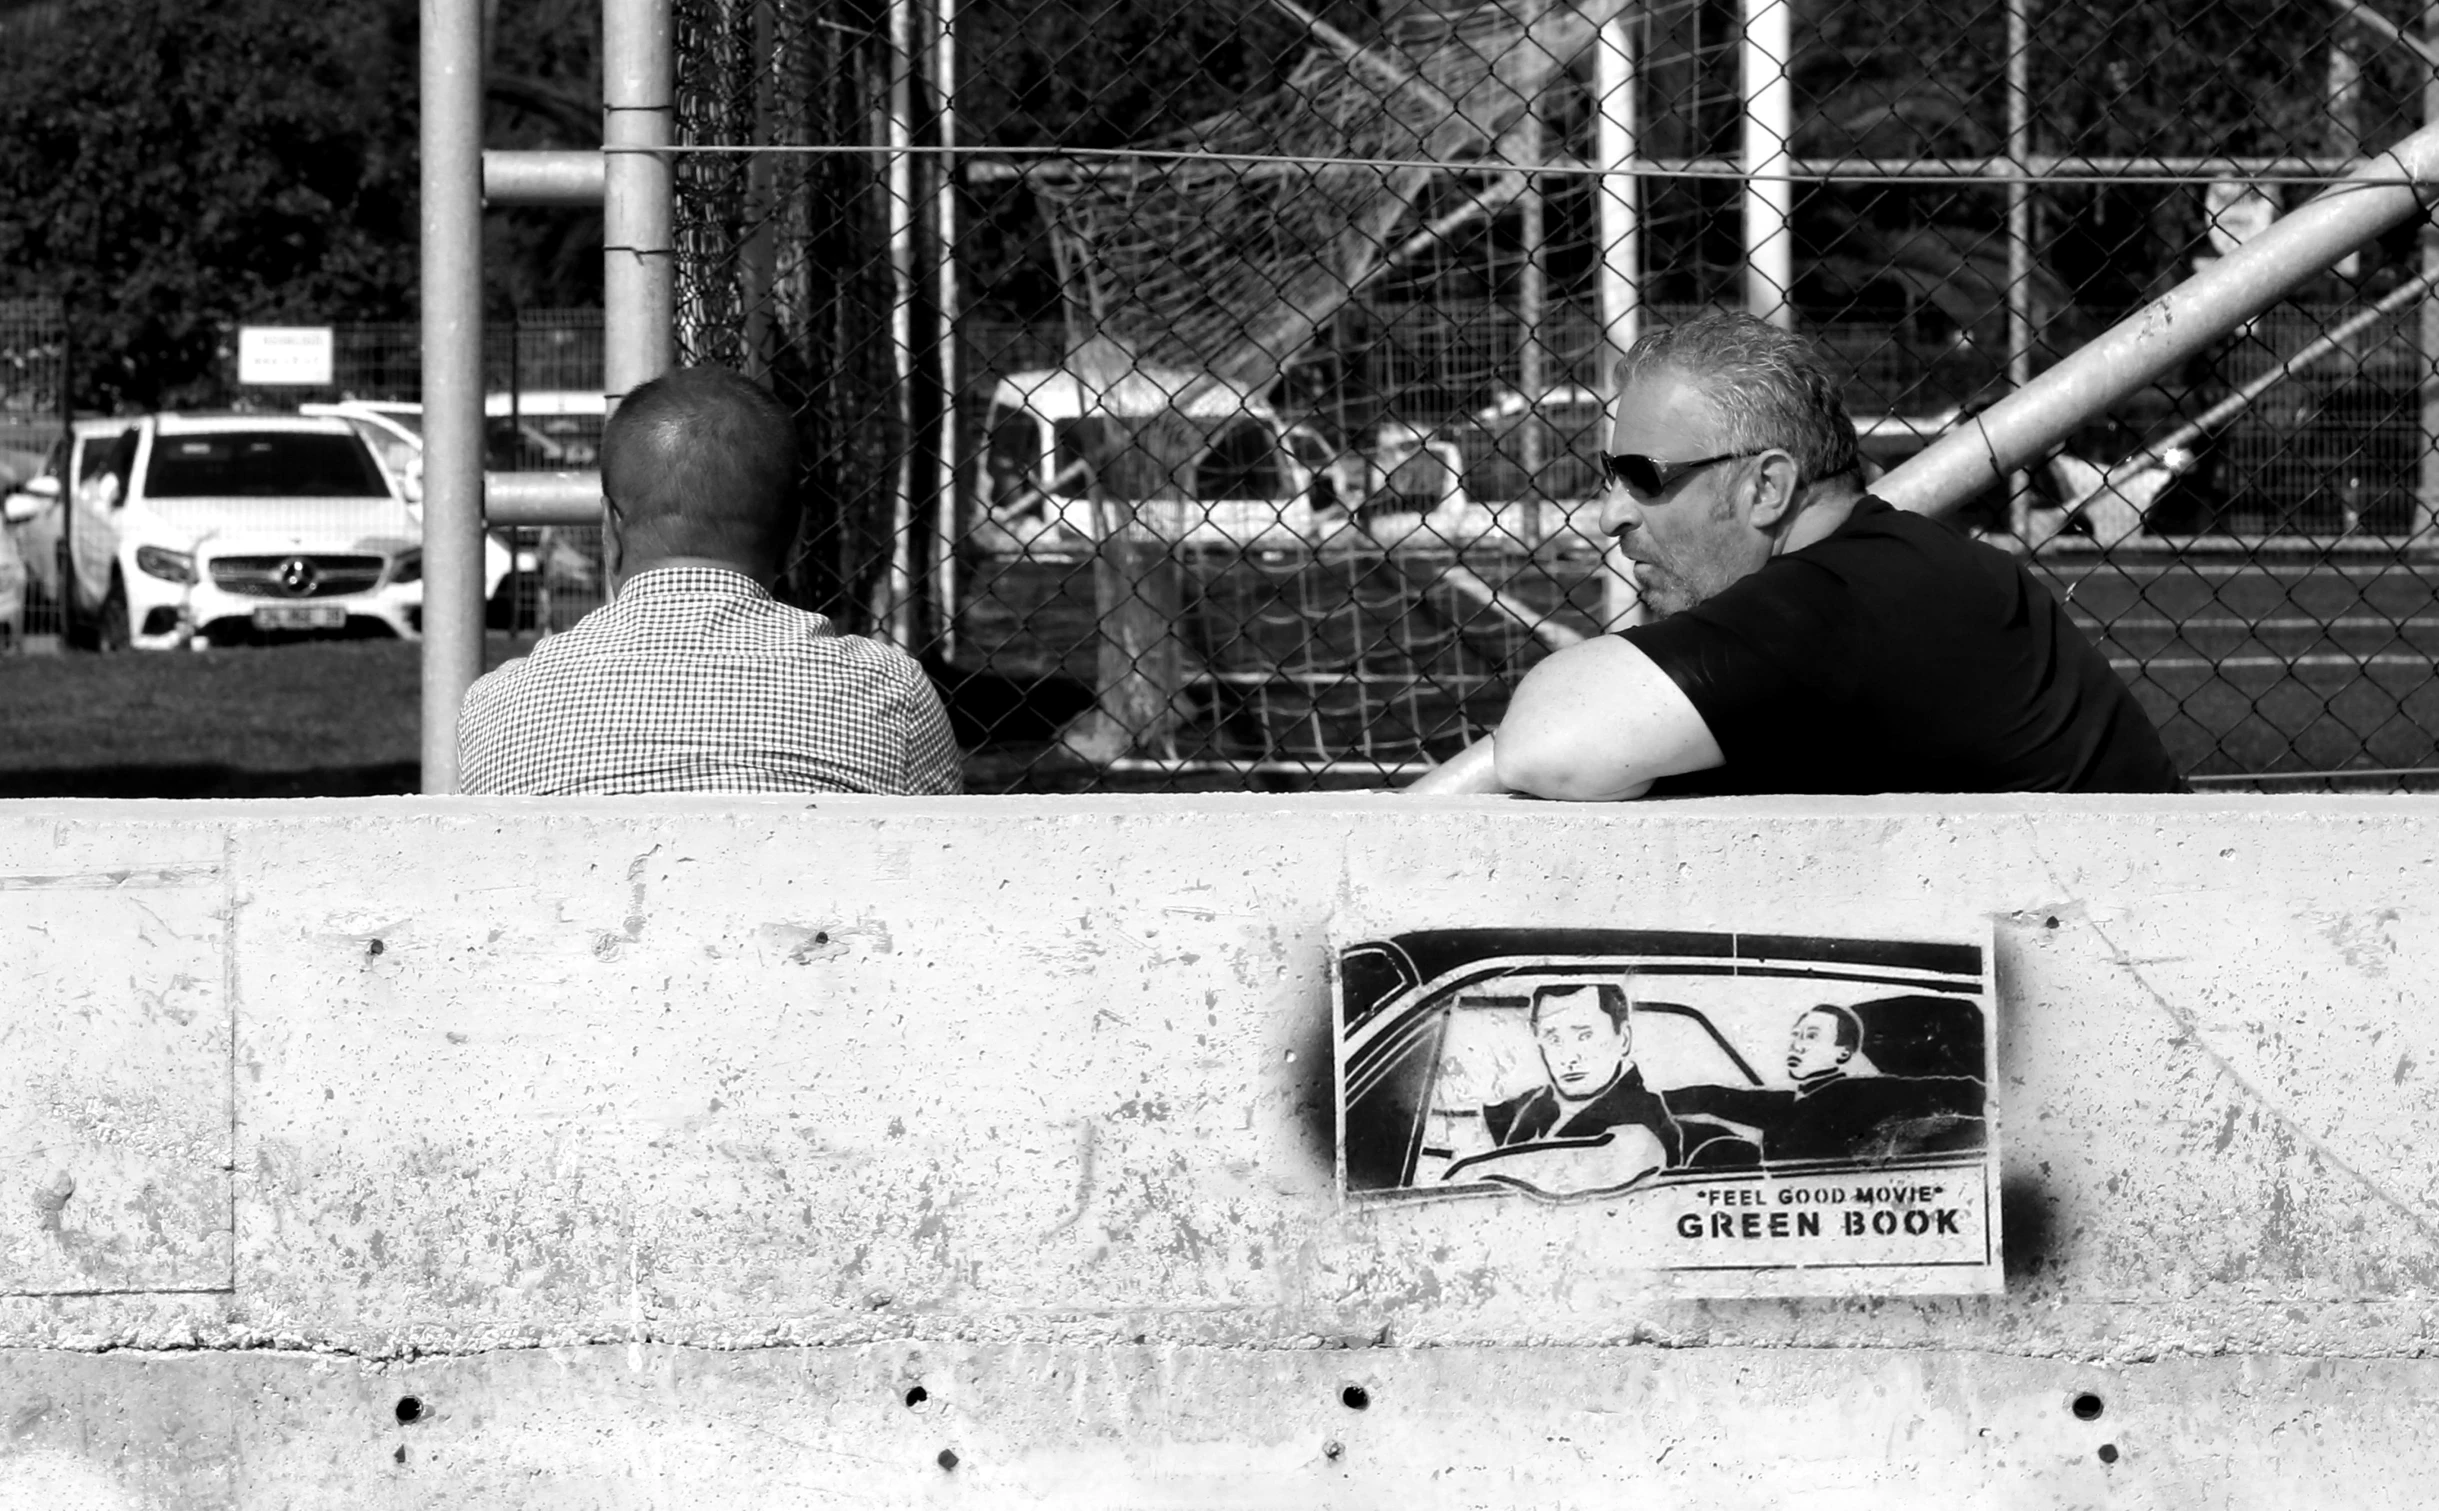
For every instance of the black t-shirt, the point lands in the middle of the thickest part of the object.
(1898, 656)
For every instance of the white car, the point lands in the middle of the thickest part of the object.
(76, 568)
(236, 528)
(12, 590)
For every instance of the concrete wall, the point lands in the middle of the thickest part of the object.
(678, 1153)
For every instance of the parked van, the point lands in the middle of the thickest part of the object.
(1249, 473)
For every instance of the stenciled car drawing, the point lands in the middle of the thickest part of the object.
(1443, 1068)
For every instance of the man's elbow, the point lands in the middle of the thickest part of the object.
(1531, 762)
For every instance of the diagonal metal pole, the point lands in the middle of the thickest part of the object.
(2020, 429)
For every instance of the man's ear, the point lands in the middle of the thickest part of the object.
(613, 542)
(1776, 482)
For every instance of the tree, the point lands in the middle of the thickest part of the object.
(171, 169)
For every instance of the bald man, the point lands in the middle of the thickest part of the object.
(692, 678)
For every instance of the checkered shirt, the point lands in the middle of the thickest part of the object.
(694, 679)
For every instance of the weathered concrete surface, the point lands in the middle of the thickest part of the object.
(1122, 1427)
(747, 1100)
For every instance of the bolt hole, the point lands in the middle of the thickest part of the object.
(2050, 922)
(409, 1409)
(2087, 1407)
(375, 948)
(2108, 1453)
(948, 1458)
(1355, 1397)
(1332, 1450)
(821, 936)
(916, 1396)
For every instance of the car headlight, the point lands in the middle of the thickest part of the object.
(408, 567)
(169, 566)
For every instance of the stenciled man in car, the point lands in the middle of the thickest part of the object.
(1585, 1033)
(1896, 1076)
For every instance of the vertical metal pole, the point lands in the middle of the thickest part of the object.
(1614, 147)
(2426, 479)
(900, 182)
(1769, 155)
(944, 222)
(2019, 239)
(64, 569)
(452, 189)
(516, 385)
(1617, 213)
(639, 269)
(1532, 299)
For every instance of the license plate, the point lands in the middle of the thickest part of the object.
(300, 616)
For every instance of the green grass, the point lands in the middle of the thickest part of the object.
(336, 719)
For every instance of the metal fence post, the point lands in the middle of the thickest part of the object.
(66, 567)
(452, 140)
(639, 268)
(2019, 239)
(2426, 471)
(1769, 161)
(1617, 145)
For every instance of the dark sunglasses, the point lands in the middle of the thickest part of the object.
(1649, 476)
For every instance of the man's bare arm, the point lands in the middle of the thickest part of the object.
(1469, 770)
(1597, 722)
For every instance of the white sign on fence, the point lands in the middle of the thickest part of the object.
(289, 355)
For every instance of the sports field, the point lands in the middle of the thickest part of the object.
(2293, 671)
(2273, 667)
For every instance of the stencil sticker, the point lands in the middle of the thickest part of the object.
(1742, 1102)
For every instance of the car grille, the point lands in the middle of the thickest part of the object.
(296, 576)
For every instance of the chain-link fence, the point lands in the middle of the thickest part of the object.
(1211, 388)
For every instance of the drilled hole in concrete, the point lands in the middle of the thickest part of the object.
(1355, 1397)
(409, 1409)
(916, 1396)
(2087, 1407)
(948, 1458)
(2050, 922)
(2108, 1453)
(822, 937)
(375, 948)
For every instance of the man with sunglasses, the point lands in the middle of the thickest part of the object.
(1806, 636)
(693, 678)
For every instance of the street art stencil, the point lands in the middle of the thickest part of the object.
(1739, 1102)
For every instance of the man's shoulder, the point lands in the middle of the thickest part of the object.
(577, 643)
(1879, 533)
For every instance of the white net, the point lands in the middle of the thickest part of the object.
(1225, 247)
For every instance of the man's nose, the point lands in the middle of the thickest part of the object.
(1619, 512)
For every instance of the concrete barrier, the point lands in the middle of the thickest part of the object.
(979, 1152)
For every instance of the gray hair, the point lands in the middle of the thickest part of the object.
(1769, 386)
